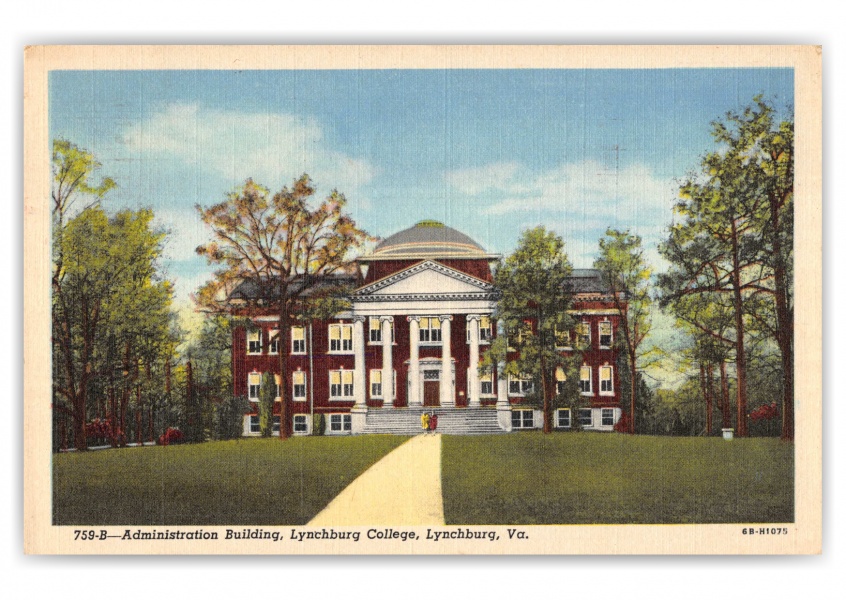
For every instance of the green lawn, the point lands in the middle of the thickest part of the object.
(243, 482)
(564, 478)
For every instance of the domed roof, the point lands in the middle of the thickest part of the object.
(431, 239)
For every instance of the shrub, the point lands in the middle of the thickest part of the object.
(319, 424)
(171, 436)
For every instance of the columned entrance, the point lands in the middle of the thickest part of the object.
(431, 383)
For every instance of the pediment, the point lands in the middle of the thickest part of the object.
(426, 278)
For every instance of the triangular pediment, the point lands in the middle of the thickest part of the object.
(426, 278)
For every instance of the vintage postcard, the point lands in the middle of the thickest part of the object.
(423, 300)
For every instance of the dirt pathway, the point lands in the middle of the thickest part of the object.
(403, 488)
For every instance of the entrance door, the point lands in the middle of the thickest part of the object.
(431, 393)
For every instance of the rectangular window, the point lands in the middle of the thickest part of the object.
(253, 386)
(585, 417)
(522, 419)
(562, 338)
(563, 417)
(608, 416)
(254, 341)
(300, 423)
(585, 380)
(520, 386)
(605, 334)
(583, 334)
(276, 424)
(375, 330)
(486, 383)
(606, 381)
(339, 423)
(430, 331)
(255, 426)
(273, 342)
(340, 338)
(485, 330)
(299, 378)
(376, 383)
(298, 340)
(560, 381)
(340, 385)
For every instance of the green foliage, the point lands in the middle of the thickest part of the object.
(228, 419)
(319, 424)
(267, 394)
(533, 306)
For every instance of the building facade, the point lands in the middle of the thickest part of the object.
(419, 322)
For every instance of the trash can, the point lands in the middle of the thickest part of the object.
(728, 434)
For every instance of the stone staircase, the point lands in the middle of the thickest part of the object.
(451, 421)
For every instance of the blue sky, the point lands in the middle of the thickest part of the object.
(489, 152)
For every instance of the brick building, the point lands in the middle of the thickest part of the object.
(418, 325)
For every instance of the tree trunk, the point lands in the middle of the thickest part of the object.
(737, 298)
(284, 343)
(725, 407)
(633, 399)
(547, 405)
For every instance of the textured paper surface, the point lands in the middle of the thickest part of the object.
(804, 535)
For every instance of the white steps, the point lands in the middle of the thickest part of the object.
(451, 421)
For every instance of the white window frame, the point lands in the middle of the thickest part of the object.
(302, 424)
(609, 413)
(522, 418)
(609, 335)
(377, 374)
(560, 378)
(562, 336)
(298, 340)
(606, 386)
(255, 424)
(582, 338)
(374, 330)
(561, 412)
(340, 422)
(273, 341)
(589, 390)
(344, 345)
(275, 423)
(486, 377)
(428, 334)
(524, 385)
(254, 336)
(485, 330)
(294, 384)
(589, 412)
(346, 383)
(254, 380)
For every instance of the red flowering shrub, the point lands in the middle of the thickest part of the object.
(624, 425)
(98, 428)
(171, 436)
(765, 412)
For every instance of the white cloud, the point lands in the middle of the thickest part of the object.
(272, 148)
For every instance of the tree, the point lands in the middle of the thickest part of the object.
(267, 393)
(736, 239)
(284, 249)
(108, 264)
(627, 276)
(533, 305)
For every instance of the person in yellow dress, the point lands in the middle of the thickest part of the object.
(424, 421)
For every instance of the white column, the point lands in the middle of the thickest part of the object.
(447, 398)
(503, 410)
(387, 362)
(414, 363)
(473, 375)
(360, 382)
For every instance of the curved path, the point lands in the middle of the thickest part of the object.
(403, 488)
